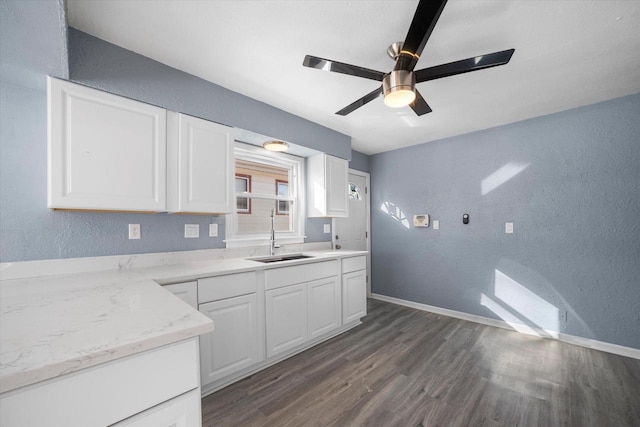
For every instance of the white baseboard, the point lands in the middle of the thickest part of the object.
(621, 350)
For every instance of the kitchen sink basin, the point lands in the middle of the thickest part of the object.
(279, 258)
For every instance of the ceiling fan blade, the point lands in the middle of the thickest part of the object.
(419, 105)
(340, 67)
(424, 21)
(360, 102)
(464, 66)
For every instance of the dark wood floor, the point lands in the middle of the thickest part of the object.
(404, 367)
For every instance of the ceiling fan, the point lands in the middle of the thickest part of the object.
(398, 86)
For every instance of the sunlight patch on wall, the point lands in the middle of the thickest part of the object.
(502, 175)
(396, 213)
(524, 302)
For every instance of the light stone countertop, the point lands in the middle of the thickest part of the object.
(54, 325)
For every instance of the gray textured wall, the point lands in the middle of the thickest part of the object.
(359, 161)
(570, 182)
(33, 44)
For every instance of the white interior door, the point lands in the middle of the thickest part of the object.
(352, 233)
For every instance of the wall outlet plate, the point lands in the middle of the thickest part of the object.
(508, 227)
(134, 232)
(436, 224)
(191, 231)
(213, 230)
(327, 228)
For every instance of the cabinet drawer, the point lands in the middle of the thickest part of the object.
(227, 286)
(354, 264)
(182, 411)
(105, 394)
(187, 292)
(285, 276)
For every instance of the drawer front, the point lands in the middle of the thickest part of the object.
(227, 286)
(187, 292)
(182, 411)
(354, 264)
(285, 276)
(106, 394)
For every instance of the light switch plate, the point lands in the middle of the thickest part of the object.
(508, 227)
(191, 231)
(327, 228)
(134, 232)
(436, 224)
(213, 230)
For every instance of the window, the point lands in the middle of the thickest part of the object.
(282, 189)
(243, 185)
(266, 182)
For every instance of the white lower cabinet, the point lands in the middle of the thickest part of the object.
(323, 305)
(354, 289)
(234, 345)
(109, 393)
(286, 312)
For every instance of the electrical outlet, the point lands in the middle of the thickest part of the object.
(191, 231)
(436, 224)
(134, 232)
(327, 228)
(508, 227)
(213, 230)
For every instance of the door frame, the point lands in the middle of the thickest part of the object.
(367, 179)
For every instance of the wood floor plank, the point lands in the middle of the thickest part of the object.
(404, 367)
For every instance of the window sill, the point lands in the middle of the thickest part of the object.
(243, 243)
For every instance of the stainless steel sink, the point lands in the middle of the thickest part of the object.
(279, 258)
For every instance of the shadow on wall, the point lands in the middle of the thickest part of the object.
(524, 310)
(395, 213)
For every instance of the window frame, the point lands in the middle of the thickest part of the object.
(248, 179)
(296, 197)
(278, 210)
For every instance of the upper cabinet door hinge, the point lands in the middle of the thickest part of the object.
(366, 190)
(366, 234)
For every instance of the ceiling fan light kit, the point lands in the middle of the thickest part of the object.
(398, 86)
(275, 146)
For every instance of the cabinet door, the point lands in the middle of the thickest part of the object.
(106, 152)
(323, 306)
(286, 310)
(200, 160)
(233, 345)
(327, 180)
(354, 296)
(187, 292)
(337, 171)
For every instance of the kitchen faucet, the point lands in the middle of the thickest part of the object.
(274, 245)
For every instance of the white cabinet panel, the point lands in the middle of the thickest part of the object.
(226, 286)
(354, 296)
(234, 343)
(327, 181)
(106, 152)
(323, 306)
(181, 411)
(187, 292)
(200, 165)
(337, 184)
(286, 312)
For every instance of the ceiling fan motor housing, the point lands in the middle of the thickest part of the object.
(397, 84)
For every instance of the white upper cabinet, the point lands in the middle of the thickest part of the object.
(106, 152)
(200, 166)
(327, 182)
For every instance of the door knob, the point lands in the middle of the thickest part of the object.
(338, 247)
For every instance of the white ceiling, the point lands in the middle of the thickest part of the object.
(568, 54)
